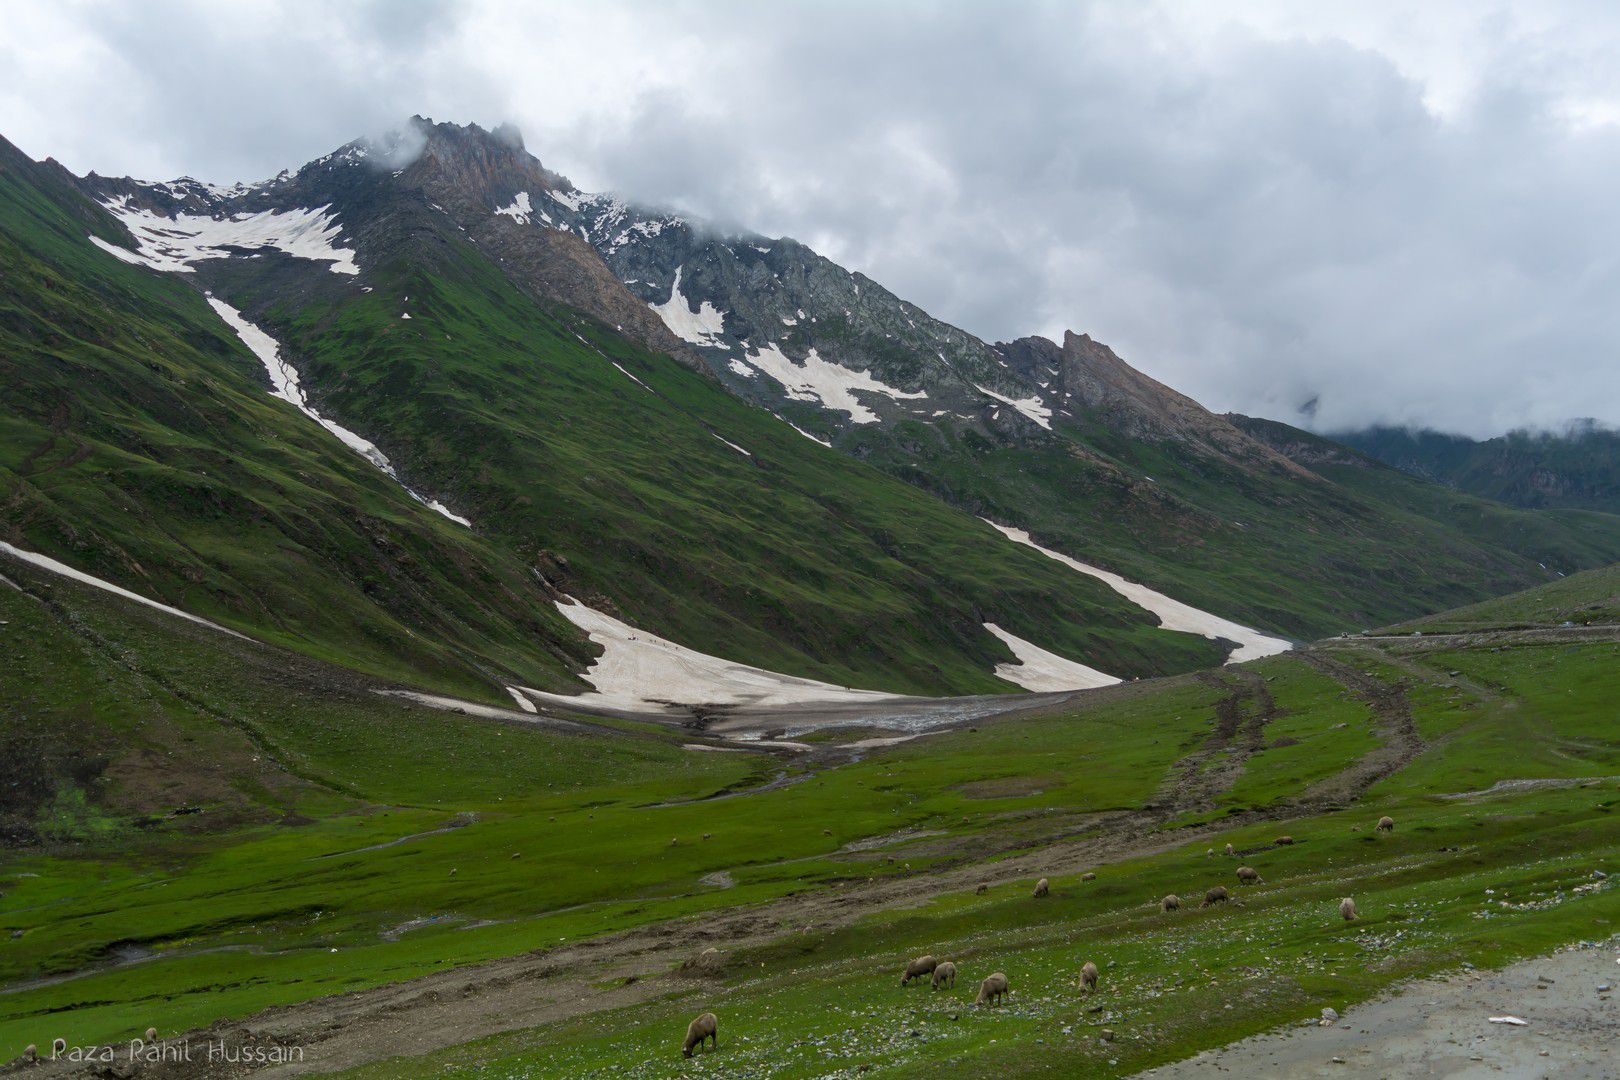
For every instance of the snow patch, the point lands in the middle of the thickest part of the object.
(1030, 407)
(284, 380)
(741, 368)
(174, 244)
(520, 209)
(1173, 614)
(1041, 671)
(523, 702)
(706, 326)
(832, 385)
(642, 672)
(45, 562)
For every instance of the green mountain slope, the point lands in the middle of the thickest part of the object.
(138, 443)
(143, 446)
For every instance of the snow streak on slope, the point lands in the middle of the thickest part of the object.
(642, 672)
(706, 326)
(832, 385)
(1173, 614)
(1030, 407)
(1040, 671)
(45, 562)
(284, 377)
(173, 244)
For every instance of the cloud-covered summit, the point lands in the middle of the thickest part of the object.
(1405, 217)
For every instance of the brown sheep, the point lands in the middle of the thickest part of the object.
(1229, 850)
(704, 1027)
(992, 990)
(1088, 977)
(30, 1053)
(1248, 875)
(923, 965)
(1386, 824)
(1170, 903)
(58, 1047)
(1217, 895)
(1284, 841)
(945, 975)
(1042, 888)
(1347, 908)
(982, 889)
(151, 1034)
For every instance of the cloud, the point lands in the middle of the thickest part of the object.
(1401, 213)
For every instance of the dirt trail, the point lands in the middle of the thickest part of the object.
(1399, 741)
(1240, 721)
(1441, 1028)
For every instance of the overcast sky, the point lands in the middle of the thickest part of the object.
(1407, 215)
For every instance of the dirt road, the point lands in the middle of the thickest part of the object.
(1442, 1028)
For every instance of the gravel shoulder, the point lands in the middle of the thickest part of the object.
(1441, 1027)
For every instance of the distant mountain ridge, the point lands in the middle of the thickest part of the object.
(1576, 467)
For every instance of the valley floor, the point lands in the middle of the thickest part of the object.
(409, 892)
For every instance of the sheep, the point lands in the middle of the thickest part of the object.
(1217, 895)
(58, 1047)
(1386, 824)
(1347, 908)
(1284, 841)
(151, 1034)
(1229, 851)
(30, 1053)
(983, 888)
(1170, 903)
(1248, 875)
(992, 990)
(1088, 977)
(923, 965)
(945, 975)
(1088, 876)
(704, 1027)
(1042, 888)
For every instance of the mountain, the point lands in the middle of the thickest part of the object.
(172, 442)
(1577, 467)
(727, 441)
(1067, 441)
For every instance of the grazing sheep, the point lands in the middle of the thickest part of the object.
(30, 1053)
(945, 975)
(1229, 851)
(1088, 977)
(1284, 841)
(58, 1047)
(1042, 888)
(704, 1027)
(1209, 851)
(1347, 908)
(1248, 875)
(1170, 903)
(1386, 824)
(983, 888)
(1088, 876)
(1217, 895)
(923, 965)
(708, 836)
(992, 990)
(151, 1034)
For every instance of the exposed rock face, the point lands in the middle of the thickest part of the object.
(1086, 377)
